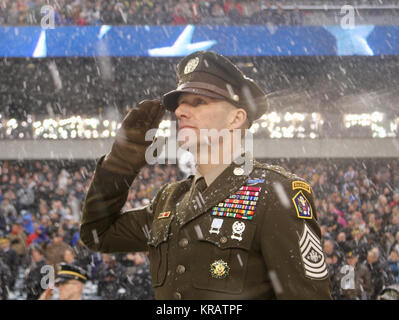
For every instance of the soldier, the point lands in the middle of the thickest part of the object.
(357, 283)
(70, 282)
(229, 231)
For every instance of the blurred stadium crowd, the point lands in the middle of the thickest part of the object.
(40, 210)
(175, 12)
(160, 12)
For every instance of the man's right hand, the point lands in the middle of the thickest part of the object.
(127, 155)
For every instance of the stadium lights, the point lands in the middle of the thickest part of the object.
(272, 125)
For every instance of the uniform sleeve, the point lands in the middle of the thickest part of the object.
(104, 227)
(291, 244)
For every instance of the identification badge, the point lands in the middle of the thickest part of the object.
(216, 225)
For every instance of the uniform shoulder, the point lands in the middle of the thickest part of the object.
(279, 170)
(172, 186)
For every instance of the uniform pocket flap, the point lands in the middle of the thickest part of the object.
(159, 231)
(226, 232)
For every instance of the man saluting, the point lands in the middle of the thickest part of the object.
(227, 232)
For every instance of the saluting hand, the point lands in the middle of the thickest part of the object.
(47, 294)
(128, 151)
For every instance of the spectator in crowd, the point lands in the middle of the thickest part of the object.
(263, 15)
(179, 16)
(161, 17)
(109, 275)
(357, 284)
(38, 236)
(70, 282)
(393, 262)
(137, 277)
(11, 259)
(28, 223)
(216, 15)
(18, 241)
(380, 273)
(296, 17)
(234, 11)
(33, 285)
(5, 276)
(279, 16)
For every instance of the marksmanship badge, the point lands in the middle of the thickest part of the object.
(238, 229)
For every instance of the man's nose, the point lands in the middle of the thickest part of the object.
(183, 111)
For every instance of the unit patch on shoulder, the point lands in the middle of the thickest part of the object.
(301, 185)
(302, 206)
(312, 255)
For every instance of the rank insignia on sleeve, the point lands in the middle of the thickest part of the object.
(301, 185)
(219, 269)
(163, 215)
(302, 206)
(312, 255)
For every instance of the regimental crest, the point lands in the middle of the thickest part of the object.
(312, 255)
(191, 65)
(302, 206)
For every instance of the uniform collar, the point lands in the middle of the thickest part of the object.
(226, 183)
(216, 171)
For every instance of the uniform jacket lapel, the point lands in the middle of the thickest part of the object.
(194, 203)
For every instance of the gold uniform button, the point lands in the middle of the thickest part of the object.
(183, 243)
(177, 295)
(180, 269)
(223, 240)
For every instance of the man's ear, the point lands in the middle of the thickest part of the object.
(237, 119)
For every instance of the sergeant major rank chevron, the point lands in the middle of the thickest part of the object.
(312, 255)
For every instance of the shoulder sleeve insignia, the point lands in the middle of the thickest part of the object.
(312, 255)
(302, 206)
(301, 185)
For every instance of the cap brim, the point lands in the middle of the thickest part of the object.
(169, 100)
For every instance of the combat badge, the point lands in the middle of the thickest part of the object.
(238, 229)
(312, 255)
(219, 269)
(302, 206)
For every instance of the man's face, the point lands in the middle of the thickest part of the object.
(4, 245)
(195, 112)
(70, 289)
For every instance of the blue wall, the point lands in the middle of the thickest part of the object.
(227, 40)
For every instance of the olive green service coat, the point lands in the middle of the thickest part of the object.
(269, 250)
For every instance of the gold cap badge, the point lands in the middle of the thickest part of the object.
(191, 65)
